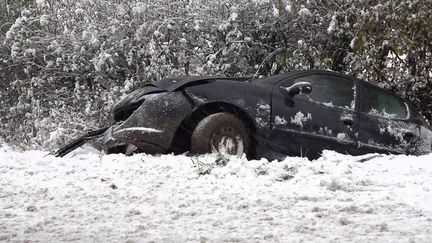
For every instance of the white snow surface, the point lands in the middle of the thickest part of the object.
(91, 197)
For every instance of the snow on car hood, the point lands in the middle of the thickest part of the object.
(89, 196)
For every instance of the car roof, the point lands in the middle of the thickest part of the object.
(275, 78)
(172, 84)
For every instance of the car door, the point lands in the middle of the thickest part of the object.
(306, 124)
(385, 124)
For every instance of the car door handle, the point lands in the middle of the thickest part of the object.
(347, 121)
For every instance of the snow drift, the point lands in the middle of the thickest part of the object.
(88, 196)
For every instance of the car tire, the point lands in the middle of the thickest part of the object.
(221, 133)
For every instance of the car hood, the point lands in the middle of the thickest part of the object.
(126, 106)
(174, 84)
(171, 84)
(130, 102)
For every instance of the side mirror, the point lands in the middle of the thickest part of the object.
(297, 88)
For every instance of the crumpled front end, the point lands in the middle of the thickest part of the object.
(152, 127)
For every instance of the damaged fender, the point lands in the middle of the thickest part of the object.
(151, 128)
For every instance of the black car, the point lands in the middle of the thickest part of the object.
(299, 113)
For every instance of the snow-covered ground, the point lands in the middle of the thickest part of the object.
(89, 197)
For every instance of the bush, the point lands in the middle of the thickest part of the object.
(64, 63)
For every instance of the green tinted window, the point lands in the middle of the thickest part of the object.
(379, 102)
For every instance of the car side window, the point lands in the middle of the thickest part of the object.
(331, 91)
(381, 103)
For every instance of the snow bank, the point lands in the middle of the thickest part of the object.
(89, 196)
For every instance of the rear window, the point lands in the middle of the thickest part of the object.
(381, 103)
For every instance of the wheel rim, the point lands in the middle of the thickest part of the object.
(227, 140)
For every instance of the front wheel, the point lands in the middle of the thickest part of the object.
(221, 133)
